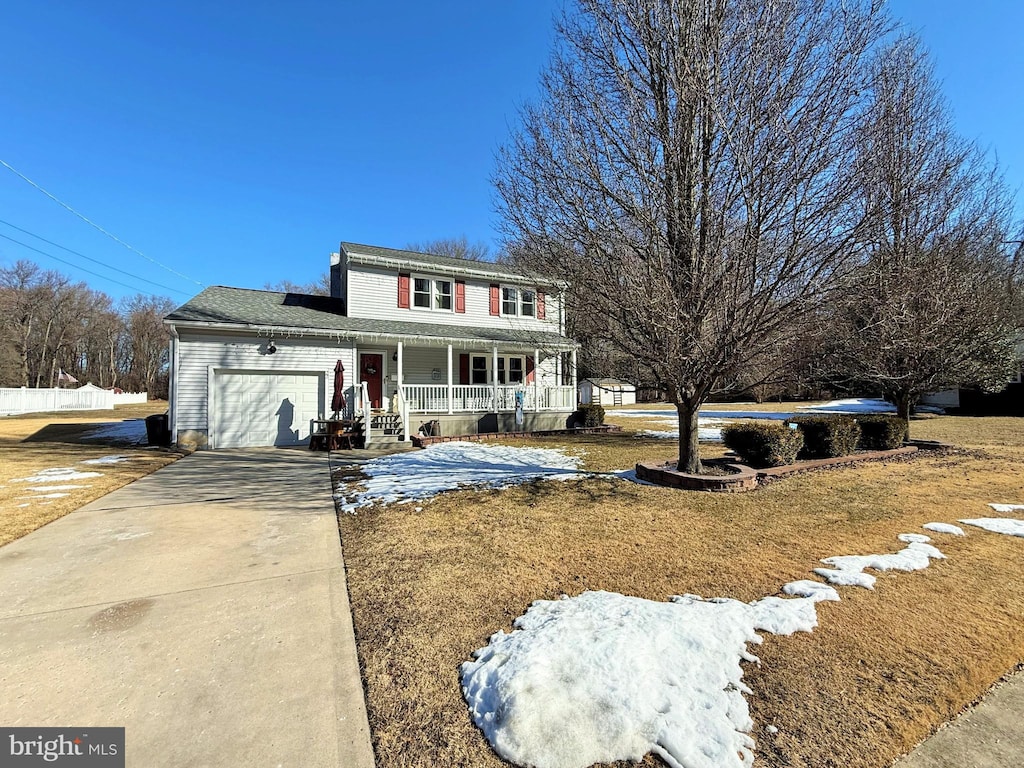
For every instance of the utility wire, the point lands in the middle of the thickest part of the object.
(91, 223)
(89, 258)
(70, 264)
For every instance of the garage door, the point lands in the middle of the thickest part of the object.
(254, 409)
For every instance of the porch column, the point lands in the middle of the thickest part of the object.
(494, 375)
(401, 362)
(451, 388)
(572, 378)
(536, 380)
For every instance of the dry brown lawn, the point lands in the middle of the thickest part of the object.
(40, 441)
(883, 669)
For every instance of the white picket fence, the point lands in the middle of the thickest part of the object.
(24, 400)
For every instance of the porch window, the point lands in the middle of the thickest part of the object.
(516, 365)
(478, 374)
(443, 294)
(528, 304)
(421, 292)
(509, 301)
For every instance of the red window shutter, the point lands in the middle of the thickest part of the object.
(463, 369)
(529, 370)
(495, 300)
(403, 291)
(540, 305)
(460, 296)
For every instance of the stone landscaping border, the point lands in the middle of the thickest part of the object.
(744, 478)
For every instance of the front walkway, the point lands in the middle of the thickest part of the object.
(203, 607)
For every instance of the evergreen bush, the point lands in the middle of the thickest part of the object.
(763, 444)
(828, 436)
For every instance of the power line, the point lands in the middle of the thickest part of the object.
(70, 264)
(89, 258)
(91, 223)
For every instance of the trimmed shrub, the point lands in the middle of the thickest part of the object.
(826, 437)
(590, 415)
(763, 444)
(881, 431)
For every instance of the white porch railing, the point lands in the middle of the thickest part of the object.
(470, 398)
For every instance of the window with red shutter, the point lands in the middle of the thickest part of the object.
(495, 299)
(464, 368)
(540, 305)
(403, 291)
(460, 296)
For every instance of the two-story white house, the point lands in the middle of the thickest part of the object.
(421, 337)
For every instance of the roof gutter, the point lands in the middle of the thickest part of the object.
(294, 332)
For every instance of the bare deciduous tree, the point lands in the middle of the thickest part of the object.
(687, 170)
(932, 307)
(453, 247)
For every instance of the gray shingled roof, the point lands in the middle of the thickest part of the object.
(443, 262)
(270, 309)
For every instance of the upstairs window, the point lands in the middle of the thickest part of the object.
(443, 295)
(509, 301)
(421, 292)
(528, 303)
(430, 293)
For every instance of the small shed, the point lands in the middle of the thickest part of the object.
(607, 392)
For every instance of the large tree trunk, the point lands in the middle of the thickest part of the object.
(689, 447)
(904, 402)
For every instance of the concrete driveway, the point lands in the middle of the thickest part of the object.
(203, 607)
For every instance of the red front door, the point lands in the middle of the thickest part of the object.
(371, 370)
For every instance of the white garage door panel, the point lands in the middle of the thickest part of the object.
(264, 409)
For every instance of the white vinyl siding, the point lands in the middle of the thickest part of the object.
(200, 353)
(373, 292)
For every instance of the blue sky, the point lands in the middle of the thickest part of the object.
(239, 143)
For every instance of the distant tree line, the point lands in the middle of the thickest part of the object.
(49, 323)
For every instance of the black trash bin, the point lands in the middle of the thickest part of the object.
(157, 431)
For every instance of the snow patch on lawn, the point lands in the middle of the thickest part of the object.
(1009, 526)
(48, 496)
(57, 474)
(1006, 509)
(954, 530)
(848, 570)
(107, 460)
(852, 405)
(45, 488)
(132, 431)
(603, 677)
(406, 477)
(815, 590)
(914, 538)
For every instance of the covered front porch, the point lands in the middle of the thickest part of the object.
(460, 385)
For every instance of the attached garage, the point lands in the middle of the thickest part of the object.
(252, 409)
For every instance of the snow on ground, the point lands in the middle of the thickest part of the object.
(1007, 525)
(405, 477)
(708, 430)
(954, 530)
(848, 570)
(1006, 509)
(603, 677)
(812, 589)
(132, 431)
(47, 496)
(58, 475)
(106, 460)
(852, 405)
(45, 488)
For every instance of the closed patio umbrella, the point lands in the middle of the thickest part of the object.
(338, 401)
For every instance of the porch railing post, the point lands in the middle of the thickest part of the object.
(451, 388)
(536, 380)
(494, 376)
